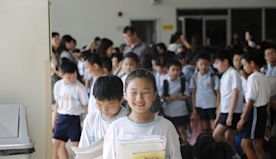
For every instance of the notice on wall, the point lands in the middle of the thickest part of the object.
(167, 27)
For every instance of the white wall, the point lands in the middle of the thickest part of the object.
(85, 19)
(24, 54)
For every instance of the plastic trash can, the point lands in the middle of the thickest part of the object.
(14, 139)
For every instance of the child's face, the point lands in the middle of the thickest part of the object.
(270, 55)
(55, 41)
(69, 78)
(221, 65)
(203, 65)
(108, 108)
(115, 62)
(237, 61)
(174, 72)
(129, 65)
(247, 66)
(140, 95)
(109, 51)
(89, 67)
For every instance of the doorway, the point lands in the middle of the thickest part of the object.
(208, 30)
(146, 30)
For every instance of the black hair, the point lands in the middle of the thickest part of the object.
(180, 56)
(85, 54)
(223, 54)
(161, 60)
(175, 36)
(77, 51)
(116, 50)
(103, 46)
(106, 63)
(217, 150)
(131, 29)
(132, 56)
(174, 62)
(141, 73)
(202, 141)
(94, 59)
(255, 56)
(54, 34)
(271, 46)
(237, 51)
(162, 46)
(119, 56)
(65, 39)
(103, 85)
(203, 56)
(67, 66)
(97, 38)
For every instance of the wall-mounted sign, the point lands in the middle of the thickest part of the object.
(167, 27)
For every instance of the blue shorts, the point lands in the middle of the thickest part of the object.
(254, 128)
(68, 127)
(235, 120)
(206, 114)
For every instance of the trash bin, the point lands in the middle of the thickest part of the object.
(14, 139)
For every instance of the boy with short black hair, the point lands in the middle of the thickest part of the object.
(130, 63)
(175, 96)
(94, 67)
(231, 99)
(205, 94)
(253, 119)
(108, 103)
(71, 98)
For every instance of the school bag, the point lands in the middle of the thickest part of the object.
(183, 88)
(213, 80)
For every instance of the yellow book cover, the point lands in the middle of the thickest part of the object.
(149, 155)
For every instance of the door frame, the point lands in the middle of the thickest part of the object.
(157, 24)
(204, 19)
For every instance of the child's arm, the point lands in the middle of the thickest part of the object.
(85, 111)
(194, 99)
(217, 116)
(218, 99)
(244, 115)
(85, 134)
(176, 97)
(235, 96)
(54, 118)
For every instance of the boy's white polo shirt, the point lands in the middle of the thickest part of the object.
(205, 86)
(258, 89)
(229, 81)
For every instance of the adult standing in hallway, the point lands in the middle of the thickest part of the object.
(133, 42)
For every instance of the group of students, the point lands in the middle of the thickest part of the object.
(157, 92)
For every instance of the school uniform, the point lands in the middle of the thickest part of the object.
(95, 127)
(271, 71)
(258, 92)
(124, 128)
(229, 81)
(205, 98)
(70, 98)
(159, 78)
(176, 111)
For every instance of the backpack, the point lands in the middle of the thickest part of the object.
(213, 81)
(182, 83)
(183, 88)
